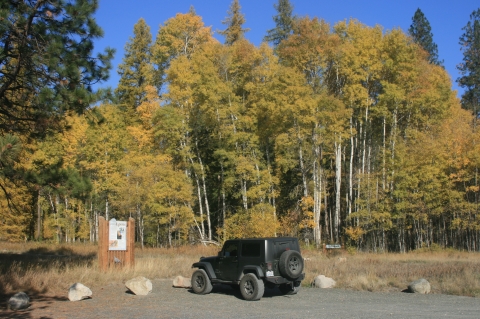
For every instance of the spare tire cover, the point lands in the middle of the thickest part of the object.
(291, 264)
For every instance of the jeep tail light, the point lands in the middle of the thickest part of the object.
(269, 266)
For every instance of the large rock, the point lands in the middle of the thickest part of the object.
(323, 282)
(78, 292)
(420, 286)
(182, 282)
(139, 285)
(18, 301)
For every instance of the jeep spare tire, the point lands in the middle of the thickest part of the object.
(291, 264)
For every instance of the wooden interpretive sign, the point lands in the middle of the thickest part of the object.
(116, 243)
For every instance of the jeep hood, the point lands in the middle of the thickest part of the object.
(208, 259)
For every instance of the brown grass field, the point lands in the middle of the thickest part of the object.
(47, 269)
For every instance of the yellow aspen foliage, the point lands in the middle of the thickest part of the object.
(143, 134)
(354, 233)
(50, 227)
(309, 49)
(257, 222)
(14, 212)
(359, 64)
(307, 221)
(179, 36)
(74, 139)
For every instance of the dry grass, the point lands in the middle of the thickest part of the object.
(51, 269)
(449, 272)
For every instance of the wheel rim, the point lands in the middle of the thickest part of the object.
(248, 287)
(199, 282)
(294, 264)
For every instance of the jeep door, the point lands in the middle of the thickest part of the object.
(228, 261)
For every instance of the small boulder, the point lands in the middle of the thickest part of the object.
(182, 282)
(19, 301)
(139, 285)
(420, 286)
(323, 282)
(78, 292)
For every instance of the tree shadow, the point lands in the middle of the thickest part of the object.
(35, 260)
(37, 301)
(43, 258)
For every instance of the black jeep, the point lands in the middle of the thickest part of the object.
(252, 264)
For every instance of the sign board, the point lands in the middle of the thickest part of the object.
(116, 243)
(336, 246)
(117, 235)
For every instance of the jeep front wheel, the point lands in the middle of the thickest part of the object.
(251, 287)
(291, 264)
(201, 283)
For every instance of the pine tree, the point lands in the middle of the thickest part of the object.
(136, 71)
(234, 23)
(10, 150)
(47, 62)
(283, 23)
(470, 68)
(421, 33)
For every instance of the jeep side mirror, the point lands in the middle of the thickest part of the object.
(220, 254)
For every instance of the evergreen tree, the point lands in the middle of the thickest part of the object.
(421, 33)
(470, 68)
(136, 71)
(283, 23)
(46, 62)
(234, 23)
(10, 150)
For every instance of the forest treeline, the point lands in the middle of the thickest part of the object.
(340, 133)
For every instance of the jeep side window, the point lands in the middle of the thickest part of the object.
(251, 249)
(230, 250)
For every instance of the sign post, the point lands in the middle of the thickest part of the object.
(116, 243)
(328, 247)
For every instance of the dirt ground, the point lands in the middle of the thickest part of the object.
(114, 301)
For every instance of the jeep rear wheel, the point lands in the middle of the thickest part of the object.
(201, 283)
(251, 287)
(291, 264)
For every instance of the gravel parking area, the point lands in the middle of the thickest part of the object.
(114, 302)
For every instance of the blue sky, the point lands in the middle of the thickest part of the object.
(446, 17)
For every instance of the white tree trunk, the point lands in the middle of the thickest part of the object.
(205, 197)
(338, 177)
(302, 168)
(350, 173)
